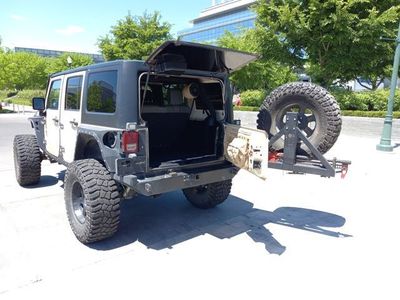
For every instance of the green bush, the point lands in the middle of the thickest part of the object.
(348, 100)
(353, 113)
(252, 97)
(366, 100)
(3, 95)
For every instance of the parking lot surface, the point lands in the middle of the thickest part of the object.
(289, 237)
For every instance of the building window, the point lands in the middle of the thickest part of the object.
(73, 93)
(54, 95)
(101, 92)
(211, 29)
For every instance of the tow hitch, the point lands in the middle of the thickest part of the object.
(290, 160)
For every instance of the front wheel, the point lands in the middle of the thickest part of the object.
(27, 159)
(92, 201)
(209, 195)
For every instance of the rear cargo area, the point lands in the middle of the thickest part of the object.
(182, 129)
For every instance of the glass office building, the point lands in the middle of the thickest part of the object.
(97, 58)
(233, 16)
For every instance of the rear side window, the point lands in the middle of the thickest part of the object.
(101, 93)
(73, 93)
(54, 95)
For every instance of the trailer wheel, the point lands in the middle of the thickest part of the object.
(27, 159)
(319, 114)
(209, 195)
(92, 201)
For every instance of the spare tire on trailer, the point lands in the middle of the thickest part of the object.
(319, 114)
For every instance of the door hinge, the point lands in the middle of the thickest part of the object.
(62, 149)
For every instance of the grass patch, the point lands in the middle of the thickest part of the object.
(6, 111)
(22, 97)
(246, 108)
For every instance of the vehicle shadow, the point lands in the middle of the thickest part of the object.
(169, 220)
(47, 180)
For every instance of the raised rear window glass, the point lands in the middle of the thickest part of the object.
(102, 92)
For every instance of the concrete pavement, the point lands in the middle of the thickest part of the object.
(292, 236)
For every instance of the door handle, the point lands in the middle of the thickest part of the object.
(74, 123)
(55, 120)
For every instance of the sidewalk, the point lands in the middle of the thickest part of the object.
(17, 107)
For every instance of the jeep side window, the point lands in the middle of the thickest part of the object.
(73, 93)
(101, 93)
(54, 95)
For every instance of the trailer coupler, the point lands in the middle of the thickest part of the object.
(290, 160)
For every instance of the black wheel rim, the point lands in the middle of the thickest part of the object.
(78, 202)
(307, 119)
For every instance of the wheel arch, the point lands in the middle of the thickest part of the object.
(87, 146)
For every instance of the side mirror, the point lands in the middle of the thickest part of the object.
(38, 103)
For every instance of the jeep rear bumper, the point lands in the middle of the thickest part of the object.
(172, 181)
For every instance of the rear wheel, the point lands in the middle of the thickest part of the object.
(27, 159)
(92, 201)
(210, 195)
(319, 114)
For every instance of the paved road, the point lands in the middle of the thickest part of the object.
(290, 237)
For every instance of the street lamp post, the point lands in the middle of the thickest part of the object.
(69, 61)
(386, 143)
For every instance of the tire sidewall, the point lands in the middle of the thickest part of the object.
(73, 176)
(101, 200)
(282, 103)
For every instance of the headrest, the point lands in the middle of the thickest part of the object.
(176, 97)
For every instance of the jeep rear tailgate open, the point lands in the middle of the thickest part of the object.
(178, 55)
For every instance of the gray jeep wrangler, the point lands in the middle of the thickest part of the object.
(149, 127)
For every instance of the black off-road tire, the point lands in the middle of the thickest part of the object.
(317, 104)
(210, 195)
(92, 200)
(27, 159)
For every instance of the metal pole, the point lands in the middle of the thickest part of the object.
(386, 143)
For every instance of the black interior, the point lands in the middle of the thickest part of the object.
(173, 137)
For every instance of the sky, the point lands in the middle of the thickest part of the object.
(76, 25)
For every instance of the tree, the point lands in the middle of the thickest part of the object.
(60, 63)
(338, 39)
(134, 37)
(265, 73)
(22, 70)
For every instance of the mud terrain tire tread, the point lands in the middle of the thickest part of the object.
(27, 159)
(325, 104)
(102, 200)
(213, 195)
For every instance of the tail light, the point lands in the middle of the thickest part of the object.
(130, 141)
